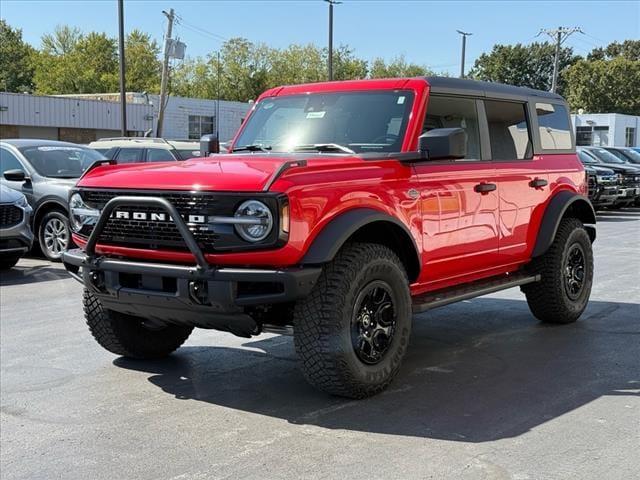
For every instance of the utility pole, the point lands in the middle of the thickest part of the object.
(559, 35)
(330, 57)
(464, 47)
(123, 86)
(165, 71)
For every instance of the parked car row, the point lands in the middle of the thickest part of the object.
(614, 176)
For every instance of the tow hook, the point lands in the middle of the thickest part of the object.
(199, 292)
(97, 279)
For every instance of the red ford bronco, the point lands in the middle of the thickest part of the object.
(340, 210)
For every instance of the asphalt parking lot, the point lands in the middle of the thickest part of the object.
(486, 392)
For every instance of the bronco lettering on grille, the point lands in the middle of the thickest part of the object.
(156, 217)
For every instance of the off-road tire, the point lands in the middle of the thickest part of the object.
(8, 262)
(323, 322)
(548, 299)
(126, 336)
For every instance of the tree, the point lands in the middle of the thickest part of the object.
(629, 49)
(397, 67)
(346, 66)
(194, 77)
(16, 68)
(62, 41)
(297, 64)
(91, 66)
(143, 67)
(523, 65)
(603, 86)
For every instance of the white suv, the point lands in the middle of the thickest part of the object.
(145, 149)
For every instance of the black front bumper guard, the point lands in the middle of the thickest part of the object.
(199, 295)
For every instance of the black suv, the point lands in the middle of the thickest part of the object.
(628, 175)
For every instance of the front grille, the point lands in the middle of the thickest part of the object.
(608, 179)
(631, 180)
(156, 234)
(10, 215)
(153, 234)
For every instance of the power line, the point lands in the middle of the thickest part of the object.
(197, 29)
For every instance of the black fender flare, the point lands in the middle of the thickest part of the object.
(338, 231)
(559, 205)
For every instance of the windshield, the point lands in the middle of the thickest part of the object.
(336, 122)
(605, 156)
(61, 161)
(585, 157)
(631, 155)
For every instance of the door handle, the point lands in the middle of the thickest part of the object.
(485, 188)
(538, 183)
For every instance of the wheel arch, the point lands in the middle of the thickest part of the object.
(366, 225)
(565, 204)
(45, 206)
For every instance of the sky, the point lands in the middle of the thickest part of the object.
(423, 31)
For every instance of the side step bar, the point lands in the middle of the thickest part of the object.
(443, 297)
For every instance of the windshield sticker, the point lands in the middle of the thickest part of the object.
(401, 100)
(267, 106)
(315, 114)
(58, 149)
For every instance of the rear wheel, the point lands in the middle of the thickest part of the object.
(126, 335)
(351, 333)
(567, 276)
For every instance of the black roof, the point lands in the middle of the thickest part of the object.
(463, 86)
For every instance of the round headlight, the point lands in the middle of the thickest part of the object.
(81, 214)
(255, 221)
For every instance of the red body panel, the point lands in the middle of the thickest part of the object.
(462, 235)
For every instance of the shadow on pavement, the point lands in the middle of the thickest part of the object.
(477, 371)
(21, 274)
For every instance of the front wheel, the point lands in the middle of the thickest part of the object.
(127, 335)
(351, 333)
(567, 276)
(54, 235)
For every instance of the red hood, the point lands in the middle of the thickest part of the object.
(221, 173)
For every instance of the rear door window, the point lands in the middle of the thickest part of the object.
(554, 126)
(159, 155)
(130, 155)
(509, 133)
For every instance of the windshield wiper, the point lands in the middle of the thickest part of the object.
(257, 147)
(324, 147)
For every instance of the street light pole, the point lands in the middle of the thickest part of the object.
(123, 86)
(464, 47)
(330, 57)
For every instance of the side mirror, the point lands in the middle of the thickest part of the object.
(443, 143)
(16, 175)
(209, 144)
